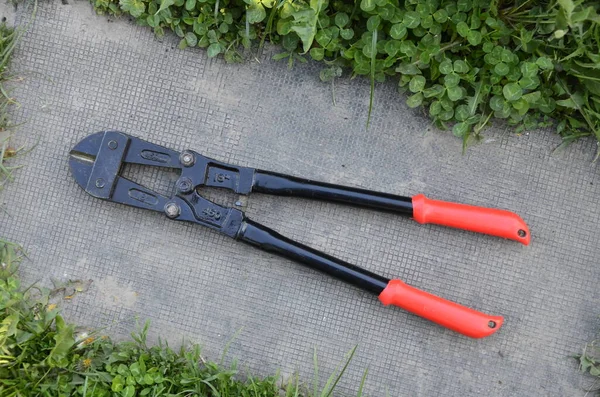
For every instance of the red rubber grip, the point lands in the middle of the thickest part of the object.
(500, 223)
(448, 314)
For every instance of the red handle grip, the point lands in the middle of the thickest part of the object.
(492, 221)
(448, 314)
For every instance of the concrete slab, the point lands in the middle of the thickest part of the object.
(85, 73)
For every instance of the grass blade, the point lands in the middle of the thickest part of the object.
(329, 389)
(228, 344)
(362, 383)
(372, 92)
(316, 374)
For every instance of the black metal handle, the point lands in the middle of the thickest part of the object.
(269, 240)
(286, 185)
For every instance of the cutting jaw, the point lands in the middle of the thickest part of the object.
(82, 159)
(96, 163)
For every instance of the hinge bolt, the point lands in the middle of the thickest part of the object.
(187, 159)
(184, 185)
(172, 210)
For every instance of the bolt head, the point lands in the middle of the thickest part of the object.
(112, 145)
(187, 159)
(184, 185)
(172, 210)
(100, 183)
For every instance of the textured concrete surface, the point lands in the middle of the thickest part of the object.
(85, 73)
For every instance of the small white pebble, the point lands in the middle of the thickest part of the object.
(81, 336)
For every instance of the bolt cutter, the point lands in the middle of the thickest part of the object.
(96, 163)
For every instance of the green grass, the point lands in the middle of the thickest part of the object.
(8, 40)
(42, 355)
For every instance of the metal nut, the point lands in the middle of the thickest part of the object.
(184, 185)
(100, 183)
(187, 158)
(172, 210)
(112, 145)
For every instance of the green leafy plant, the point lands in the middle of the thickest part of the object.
(589, 362)
(533, 63)
(42, 355)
